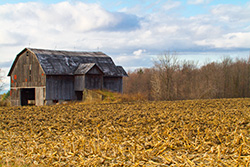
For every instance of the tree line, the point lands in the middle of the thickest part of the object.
(172, 79)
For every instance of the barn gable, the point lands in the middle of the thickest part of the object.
(25, 60)
(88, 76)
(88, 68)
(27, 80)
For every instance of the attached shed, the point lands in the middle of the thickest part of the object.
(40, 76)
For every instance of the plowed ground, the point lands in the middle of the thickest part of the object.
(180, 133)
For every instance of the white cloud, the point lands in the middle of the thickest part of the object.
(6, 38)
(231, 40)
(139, 52)
(232, 14)
(171, 5)
(83, 26)
(168, 29)
(197, 2)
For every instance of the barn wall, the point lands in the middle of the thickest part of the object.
(60, 87)
(93, 81)
(39, 96)
(113, 84)
(15, 97)
(79, 83)
(27, 73)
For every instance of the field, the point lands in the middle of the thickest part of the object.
(179, 133)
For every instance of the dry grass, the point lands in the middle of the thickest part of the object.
(181, 133)
(118, 97)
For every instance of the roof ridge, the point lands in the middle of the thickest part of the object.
(55, 50)
(67, 53)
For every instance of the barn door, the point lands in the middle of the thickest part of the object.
(27, 96)
(39, 96)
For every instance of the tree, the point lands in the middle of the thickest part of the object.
(163, 81)
(187, 80)
(138, 82)
(171, 79)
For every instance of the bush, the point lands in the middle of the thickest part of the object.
(4, 103)
(108, 96)
(5, 99)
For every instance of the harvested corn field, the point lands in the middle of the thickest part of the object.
(180, 133)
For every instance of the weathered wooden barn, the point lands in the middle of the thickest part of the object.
(42, 77)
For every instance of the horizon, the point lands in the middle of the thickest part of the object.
(180, 60)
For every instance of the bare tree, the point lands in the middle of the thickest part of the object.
(171, 79)
(139, 81)
(187, 80)
(156, 86)
(164, 82)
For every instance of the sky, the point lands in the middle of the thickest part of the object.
(132, 32)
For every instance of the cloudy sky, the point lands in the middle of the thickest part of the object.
(132, 32)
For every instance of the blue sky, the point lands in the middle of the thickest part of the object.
(132, 32)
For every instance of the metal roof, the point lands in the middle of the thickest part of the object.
(56, 62)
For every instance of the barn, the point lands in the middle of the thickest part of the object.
(43, 77)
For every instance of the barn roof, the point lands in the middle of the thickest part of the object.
(85, 68)
(121, 70)
(56, 62)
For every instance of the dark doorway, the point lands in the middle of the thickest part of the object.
(27, 96)
(79, 95)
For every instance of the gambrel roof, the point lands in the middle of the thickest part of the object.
(56, 62)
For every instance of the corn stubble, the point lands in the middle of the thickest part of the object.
(181, 133)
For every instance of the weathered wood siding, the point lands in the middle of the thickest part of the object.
(113, 84)
(26, 74)
(15, 96)
(79, 83)
(60, 87)
(39, 96)
(93, 81)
